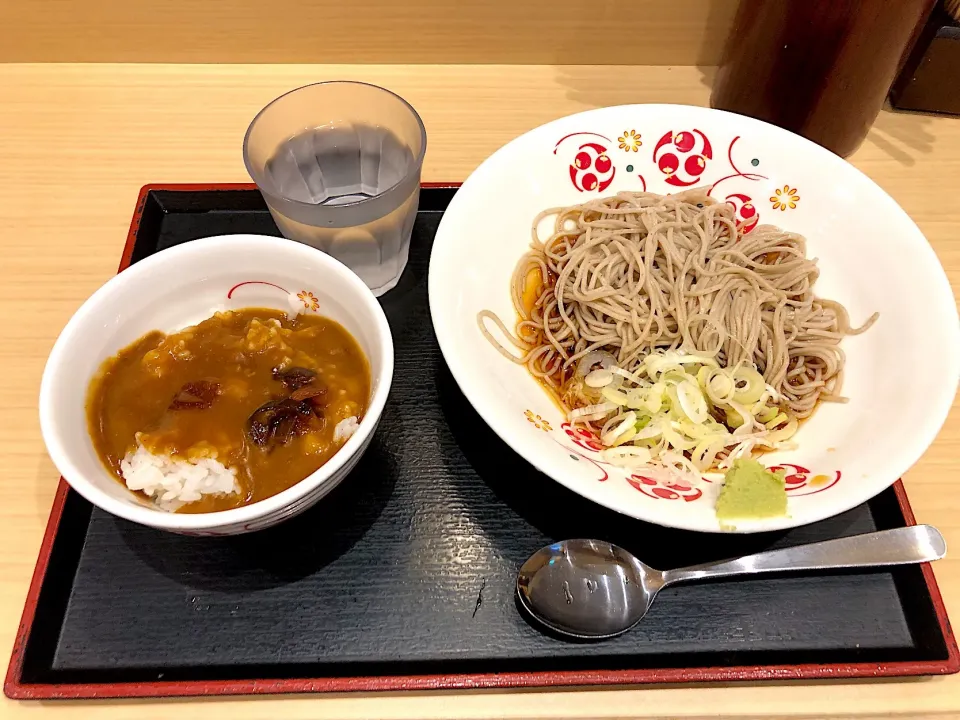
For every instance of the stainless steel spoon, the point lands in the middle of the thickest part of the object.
(589, 589)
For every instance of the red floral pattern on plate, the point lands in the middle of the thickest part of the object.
(582, 437)
(590, 168)
(737, 172)
(577, 134)
(800, 481)
(309, 301)
(252, 282)
(665, 489)
(746, 212)
(683, 156)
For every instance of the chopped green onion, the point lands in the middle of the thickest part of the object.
(678, 412)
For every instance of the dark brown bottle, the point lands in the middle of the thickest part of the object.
(820, 68)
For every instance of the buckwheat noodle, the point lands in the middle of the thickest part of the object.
(639, 271)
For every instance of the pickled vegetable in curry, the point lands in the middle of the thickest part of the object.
(268, 398)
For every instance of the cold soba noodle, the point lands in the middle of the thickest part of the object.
(679, 340)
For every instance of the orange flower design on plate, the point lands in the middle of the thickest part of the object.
(630, 141)
(538, 422)
(309, 300)
(785, 198)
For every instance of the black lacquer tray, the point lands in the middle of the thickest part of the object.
(403, 577)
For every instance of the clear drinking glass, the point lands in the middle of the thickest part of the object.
(338, 164)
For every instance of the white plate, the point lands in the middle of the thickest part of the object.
(901, 376)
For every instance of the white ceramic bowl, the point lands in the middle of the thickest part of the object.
(901, 376)
(180, 287)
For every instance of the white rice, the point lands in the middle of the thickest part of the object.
(345, 428)
(172, 483)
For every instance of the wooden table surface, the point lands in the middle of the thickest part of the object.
(78, 141)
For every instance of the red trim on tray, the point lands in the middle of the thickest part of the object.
(197, 187)
(202, 187)
(14, 688)
(134, 228)
(475, 681)
(952, 663)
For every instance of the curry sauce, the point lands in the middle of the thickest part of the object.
(259, 392)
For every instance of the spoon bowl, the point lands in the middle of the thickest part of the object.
(593, 590)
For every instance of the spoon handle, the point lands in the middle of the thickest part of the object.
(901, 546)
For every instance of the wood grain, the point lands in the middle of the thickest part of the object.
(77, 142)
(594, 32)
